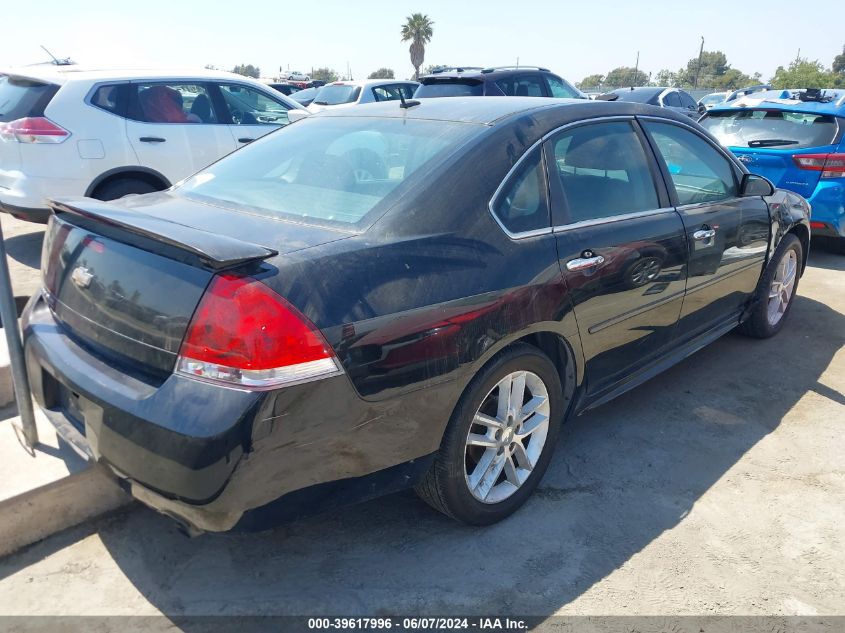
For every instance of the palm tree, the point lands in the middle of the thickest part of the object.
(418, 29)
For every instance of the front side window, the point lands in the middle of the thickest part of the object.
(672, 100)
(332, 171)
(393, 92)
(171, 103)
(687, 101)
(771, 128)
(248, 106)
(603, 171)
(522, 206)
(700, 173)
(560, 89)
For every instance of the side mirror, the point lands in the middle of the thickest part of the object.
(754, 185)
(702, 108)
(295, 114)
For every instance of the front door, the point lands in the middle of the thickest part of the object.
(174, 128)
(250, 112)
(621, 246)
(727, 234)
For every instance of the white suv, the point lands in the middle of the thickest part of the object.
(105, 134)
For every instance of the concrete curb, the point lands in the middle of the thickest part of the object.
(36, 514)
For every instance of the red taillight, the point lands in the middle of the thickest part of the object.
(818, 225)
(244, 334)
(33, 130)
(831, 165)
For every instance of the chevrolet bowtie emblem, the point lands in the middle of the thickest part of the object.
(81, 276)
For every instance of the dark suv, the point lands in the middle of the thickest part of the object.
(507, 81)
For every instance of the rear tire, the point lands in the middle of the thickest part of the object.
(124, 187)
(484, 432)
(776, 290)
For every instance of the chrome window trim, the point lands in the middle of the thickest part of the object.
(560, 228)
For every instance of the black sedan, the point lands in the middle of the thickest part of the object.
(672, 98)
(397, 295)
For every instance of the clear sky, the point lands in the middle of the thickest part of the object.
(574, 39)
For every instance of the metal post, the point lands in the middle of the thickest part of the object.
(698, 70)
(20, 380)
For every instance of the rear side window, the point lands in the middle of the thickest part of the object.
(111, 98)
(700, 173)
(603, 171)
(771, 128)
(450, 88)
(333, 170)
(522, 206)
(20, 97)
(172, 103)
(522, 86)
(336, 94)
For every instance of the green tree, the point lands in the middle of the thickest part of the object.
(418, 29)
(625, 76)
(591, 81)
(382, 73)
(324, 74)
(838, 65)
(247, 70)
(803, 73)
(665, 77)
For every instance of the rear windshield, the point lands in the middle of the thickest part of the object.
(336, 95)
(21, 97)
(451, 88)
(638, 96)
(329, 170)
(770, 128)
(712, 99)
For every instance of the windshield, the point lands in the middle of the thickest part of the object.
(454, 88)
(333, 170)
(770, 128)
(712, 99)
(335, 94)
(304, 95)
(21, 97)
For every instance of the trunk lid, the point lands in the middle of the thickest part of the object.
(125, 283)
(779, 166)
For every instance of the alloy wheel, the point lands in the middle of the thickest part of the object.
(506, 437)
(783, 285)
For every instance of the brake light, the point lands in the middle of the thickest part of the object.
(33, 130)
(244, 334)
(818, 225)
(831, 165)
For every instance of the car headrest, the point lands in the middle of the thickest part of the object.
(607, 152)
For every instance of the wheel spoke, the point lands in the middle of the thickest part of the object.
(486, 420)
(532, 424)
(504, 405)
(474, 439)
(481, 468)
(521, 457)
(511, 473)
(488, 479)
(531, 406)
(517, 395)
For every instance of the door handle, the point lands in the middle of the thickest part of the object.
(245, 140)
(704, 234)
(583, 263)
(152, 139)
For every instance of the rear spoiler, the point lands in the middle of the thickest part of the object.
(212, 249)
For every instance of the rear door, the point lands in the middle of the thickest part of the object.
(174, 128)
(621, 246)
(727, 234)
(249, 112)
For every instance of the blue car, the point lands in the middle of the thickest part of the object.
(796, 139)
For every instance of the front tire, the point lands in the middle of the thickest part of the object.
(776, 290)
(499, 440)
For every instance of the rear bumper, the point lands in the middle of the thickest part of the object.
(828, 203)
(25, 196)
(215, 458)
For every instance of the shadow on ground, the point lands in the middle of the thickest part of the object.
(621, 476)
(26, 248)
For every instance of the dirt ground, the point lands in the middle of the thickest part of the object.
(716, 488)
